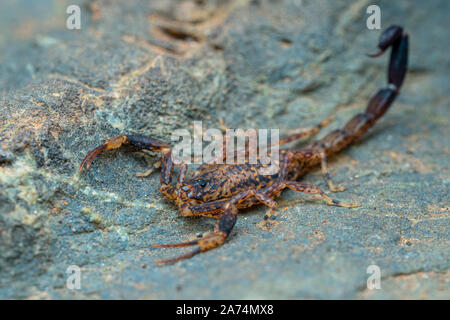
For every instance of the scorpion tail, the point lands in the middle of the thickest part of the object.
(336, 140)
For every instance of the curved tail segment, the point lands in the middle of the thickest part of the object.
(335, 141)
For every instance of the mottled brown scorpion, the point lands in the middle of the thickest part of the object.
(220, 190)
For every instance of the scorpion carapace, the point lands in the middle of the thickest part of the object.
(220, 190)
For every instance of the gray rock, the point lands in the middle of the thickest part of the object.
(150, 67)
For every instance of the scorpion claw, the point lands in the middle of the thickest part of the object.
(176, 245)
(112, 143)
(209, 241)
(181, 257)
(87, 161)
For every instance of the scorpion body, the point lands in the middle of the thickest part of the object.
(220, 190)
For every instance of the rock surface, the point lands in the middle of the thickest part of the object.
(150, 67)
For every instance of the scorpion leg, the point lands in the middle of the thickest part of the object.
(228, 212)
(308, 188)
(275, 189)
(302, 133)
(317, 154)
(181, 175)
(308, 155)
(143, 143)
(326, 174)
(156, 165)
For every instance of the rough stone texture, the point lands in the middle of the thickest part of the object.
(150, 67)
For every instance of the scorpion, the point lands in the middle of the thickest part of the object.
(221, 190)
